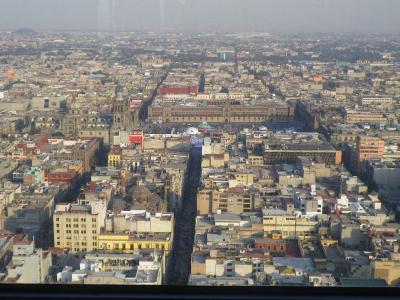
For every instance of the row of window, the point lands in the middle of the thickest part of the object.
(76, 220)
(68, 231)
(83, 244)
(131, 246)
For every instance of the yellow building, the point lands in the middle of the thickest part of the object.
(214, 160)
(256, 160)
(76, 227)
(115, 157)
(388, 270)
(128, 243)
(288, 225)
(318, 78)
(76, 166)
(245, 178)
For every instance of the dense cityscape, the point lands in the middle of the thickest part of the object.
(241, 159)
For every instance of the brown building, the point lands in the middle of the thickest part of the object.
(388, 270)
(220, 113)
(233, 200)
(365, 116)
(289, 153)
(79, 122)
(368, 148)
(289, 248)
(83, 150)
(124, 116)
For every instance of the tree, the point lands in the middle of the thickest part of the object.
(329, 85)
(58, 134)
(397, 216)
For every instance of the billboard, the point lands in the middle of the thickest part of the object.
(136, 137)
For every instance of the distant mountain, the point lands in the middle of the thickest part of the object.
(25, 31)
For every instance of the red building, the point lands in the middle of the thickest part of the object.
(61, 177)
(289, 248)
(136, 137)
(176, 90)
(40, 141)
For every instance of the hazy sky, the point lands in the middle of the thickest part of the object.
(375, 16)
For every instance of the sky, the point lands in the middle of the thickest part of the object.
(358, 16)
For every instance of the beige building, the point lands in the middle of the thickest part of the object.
(289, 225)
(388, 270)
(76, 227)
(368, 148)
(256, 160)
(214, 160)
(223, 112)
(233, 200)
(141, 222)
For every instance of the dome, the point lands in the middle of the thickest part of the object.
(192, 131)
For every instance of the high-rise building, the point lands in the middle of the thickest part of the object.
(76, 227)
(368, 148)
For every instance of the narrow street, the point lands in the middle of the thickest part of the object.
(178, 269)
(143, 113)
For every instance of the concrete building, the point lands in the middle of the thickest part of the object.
(386, 175)
(388, 270)
(233, 200)
(129, 242)
(28, 265)
(75, 149)
(124, 118)
(224, 112)
(138, 268)
(289, 225)
(368, 148)
(77, 226)
(115, 157)
(81, 121)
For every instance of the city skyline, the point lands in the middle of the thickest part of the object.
(355, 16)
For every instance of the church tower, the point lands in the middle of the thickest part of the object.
(122, 119)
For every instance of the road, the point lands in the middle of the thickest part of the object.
(143, 113)
(178, 270)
